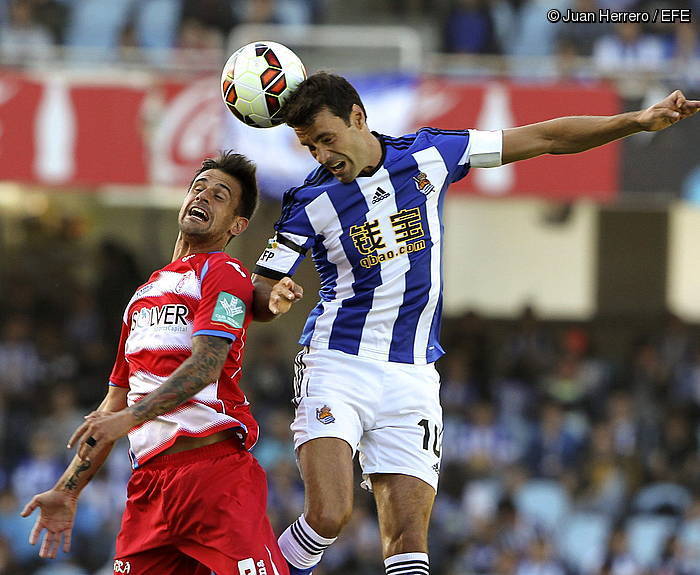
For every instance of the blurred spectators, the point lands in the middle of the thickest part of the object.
(19, 358)
(555, 447)
(39, 469)
(95, 27)
(287, 12)
(469, 28)
(618, 559)
(582, 35)
(526, 34)
(631, 52)
(541, 559)
(205, 24)
(62, 419)
(22, 38)
(118, 276)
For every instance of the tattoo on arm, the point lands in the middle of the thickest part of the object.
(72, 482)
(199, 370)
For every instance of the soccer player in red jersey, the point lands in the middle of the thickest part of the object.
(197, 497)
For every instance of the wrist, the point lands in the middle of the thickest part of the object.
(636, 122)
(64, 489)
(132, 417)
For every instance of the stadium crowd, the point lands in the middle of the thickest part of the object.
(559, 457)
(104, 30)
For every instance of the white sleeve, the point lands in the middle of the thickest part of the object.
(484, 149)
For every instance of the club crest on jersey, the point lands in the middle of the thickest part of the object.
(423, 184)
(324, 415)
(121, 566)
(183, 280)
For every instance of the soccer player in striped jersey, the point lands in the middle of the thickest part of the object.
(197, 497)
(371, 215)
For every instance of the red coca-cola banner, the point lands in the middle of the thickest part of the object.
(62, 131)
(491, 106)
(139, 129)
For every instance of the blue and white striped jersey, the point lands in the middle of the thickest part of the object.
(377, 244)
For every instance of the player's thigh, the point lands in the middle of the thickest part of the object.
(327, 470)
(336, 395)
(407, 436)
(166, 560)
(404, 504)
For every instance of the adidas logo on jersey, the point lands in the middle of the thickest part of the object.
(379, 195)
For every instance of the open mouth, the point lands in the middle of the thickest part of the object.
(337, 167)
(198, 214)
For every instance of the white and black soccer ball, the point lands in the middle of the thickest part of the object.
(256, 80)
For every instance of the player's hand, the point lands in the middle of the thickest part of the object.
(56, 515)
(101, 428)
(284, 293)
(671, 109)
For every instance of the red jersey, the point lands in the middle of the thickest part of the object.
(200, 294)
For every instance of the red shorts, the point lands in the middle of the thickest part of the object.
(197, 512)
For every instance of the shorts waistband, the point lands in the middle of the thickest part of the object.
(225, 447)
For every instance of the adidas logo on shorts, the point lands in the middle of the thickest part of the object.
(379, 195)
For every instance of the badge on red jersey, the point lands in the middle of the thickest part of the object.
(229, 310)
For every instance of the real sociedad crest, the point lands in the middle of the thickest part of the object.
(324, 415)
(423, 183)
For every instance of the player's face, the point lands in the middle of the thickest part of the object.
(340, 147)
(210, 207)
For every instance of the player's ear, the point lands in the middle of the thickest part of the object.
(357, 116)
(239, 225)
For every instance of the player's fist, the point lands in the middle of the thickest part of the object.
(668, 111)
(284, 293)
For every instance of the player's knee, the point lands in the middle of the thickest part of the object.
(328, 521)
(404, 539)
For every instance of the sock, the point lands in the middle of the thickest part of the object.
(301, 546)
(407, 564)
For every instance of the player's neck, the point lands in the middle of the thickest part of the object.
(186, 246)
(374, 153)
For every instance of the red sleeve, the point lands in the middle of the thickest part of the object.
(120, 372)
(225, 309)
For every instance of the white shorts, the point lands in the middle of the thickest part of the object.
(389, 412)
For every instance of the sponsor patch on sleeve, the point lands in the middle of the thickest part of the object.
(229, 310)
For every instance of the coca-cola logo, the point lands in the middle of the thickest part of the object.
(184, 122)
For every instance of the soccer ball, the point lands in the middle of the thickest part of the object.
(257, 79)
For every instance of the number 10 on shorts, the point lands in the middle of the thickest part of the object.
(436, 437)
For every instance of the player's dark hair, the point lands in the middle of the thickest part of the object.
(241, 168)
(318, 91)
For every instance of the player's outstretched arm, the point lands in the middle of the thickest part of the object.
(274, 298)
(57, 506)
(574, 134)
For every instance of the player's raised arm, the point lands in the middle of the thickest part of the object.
(573, 134)
(57, 506)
